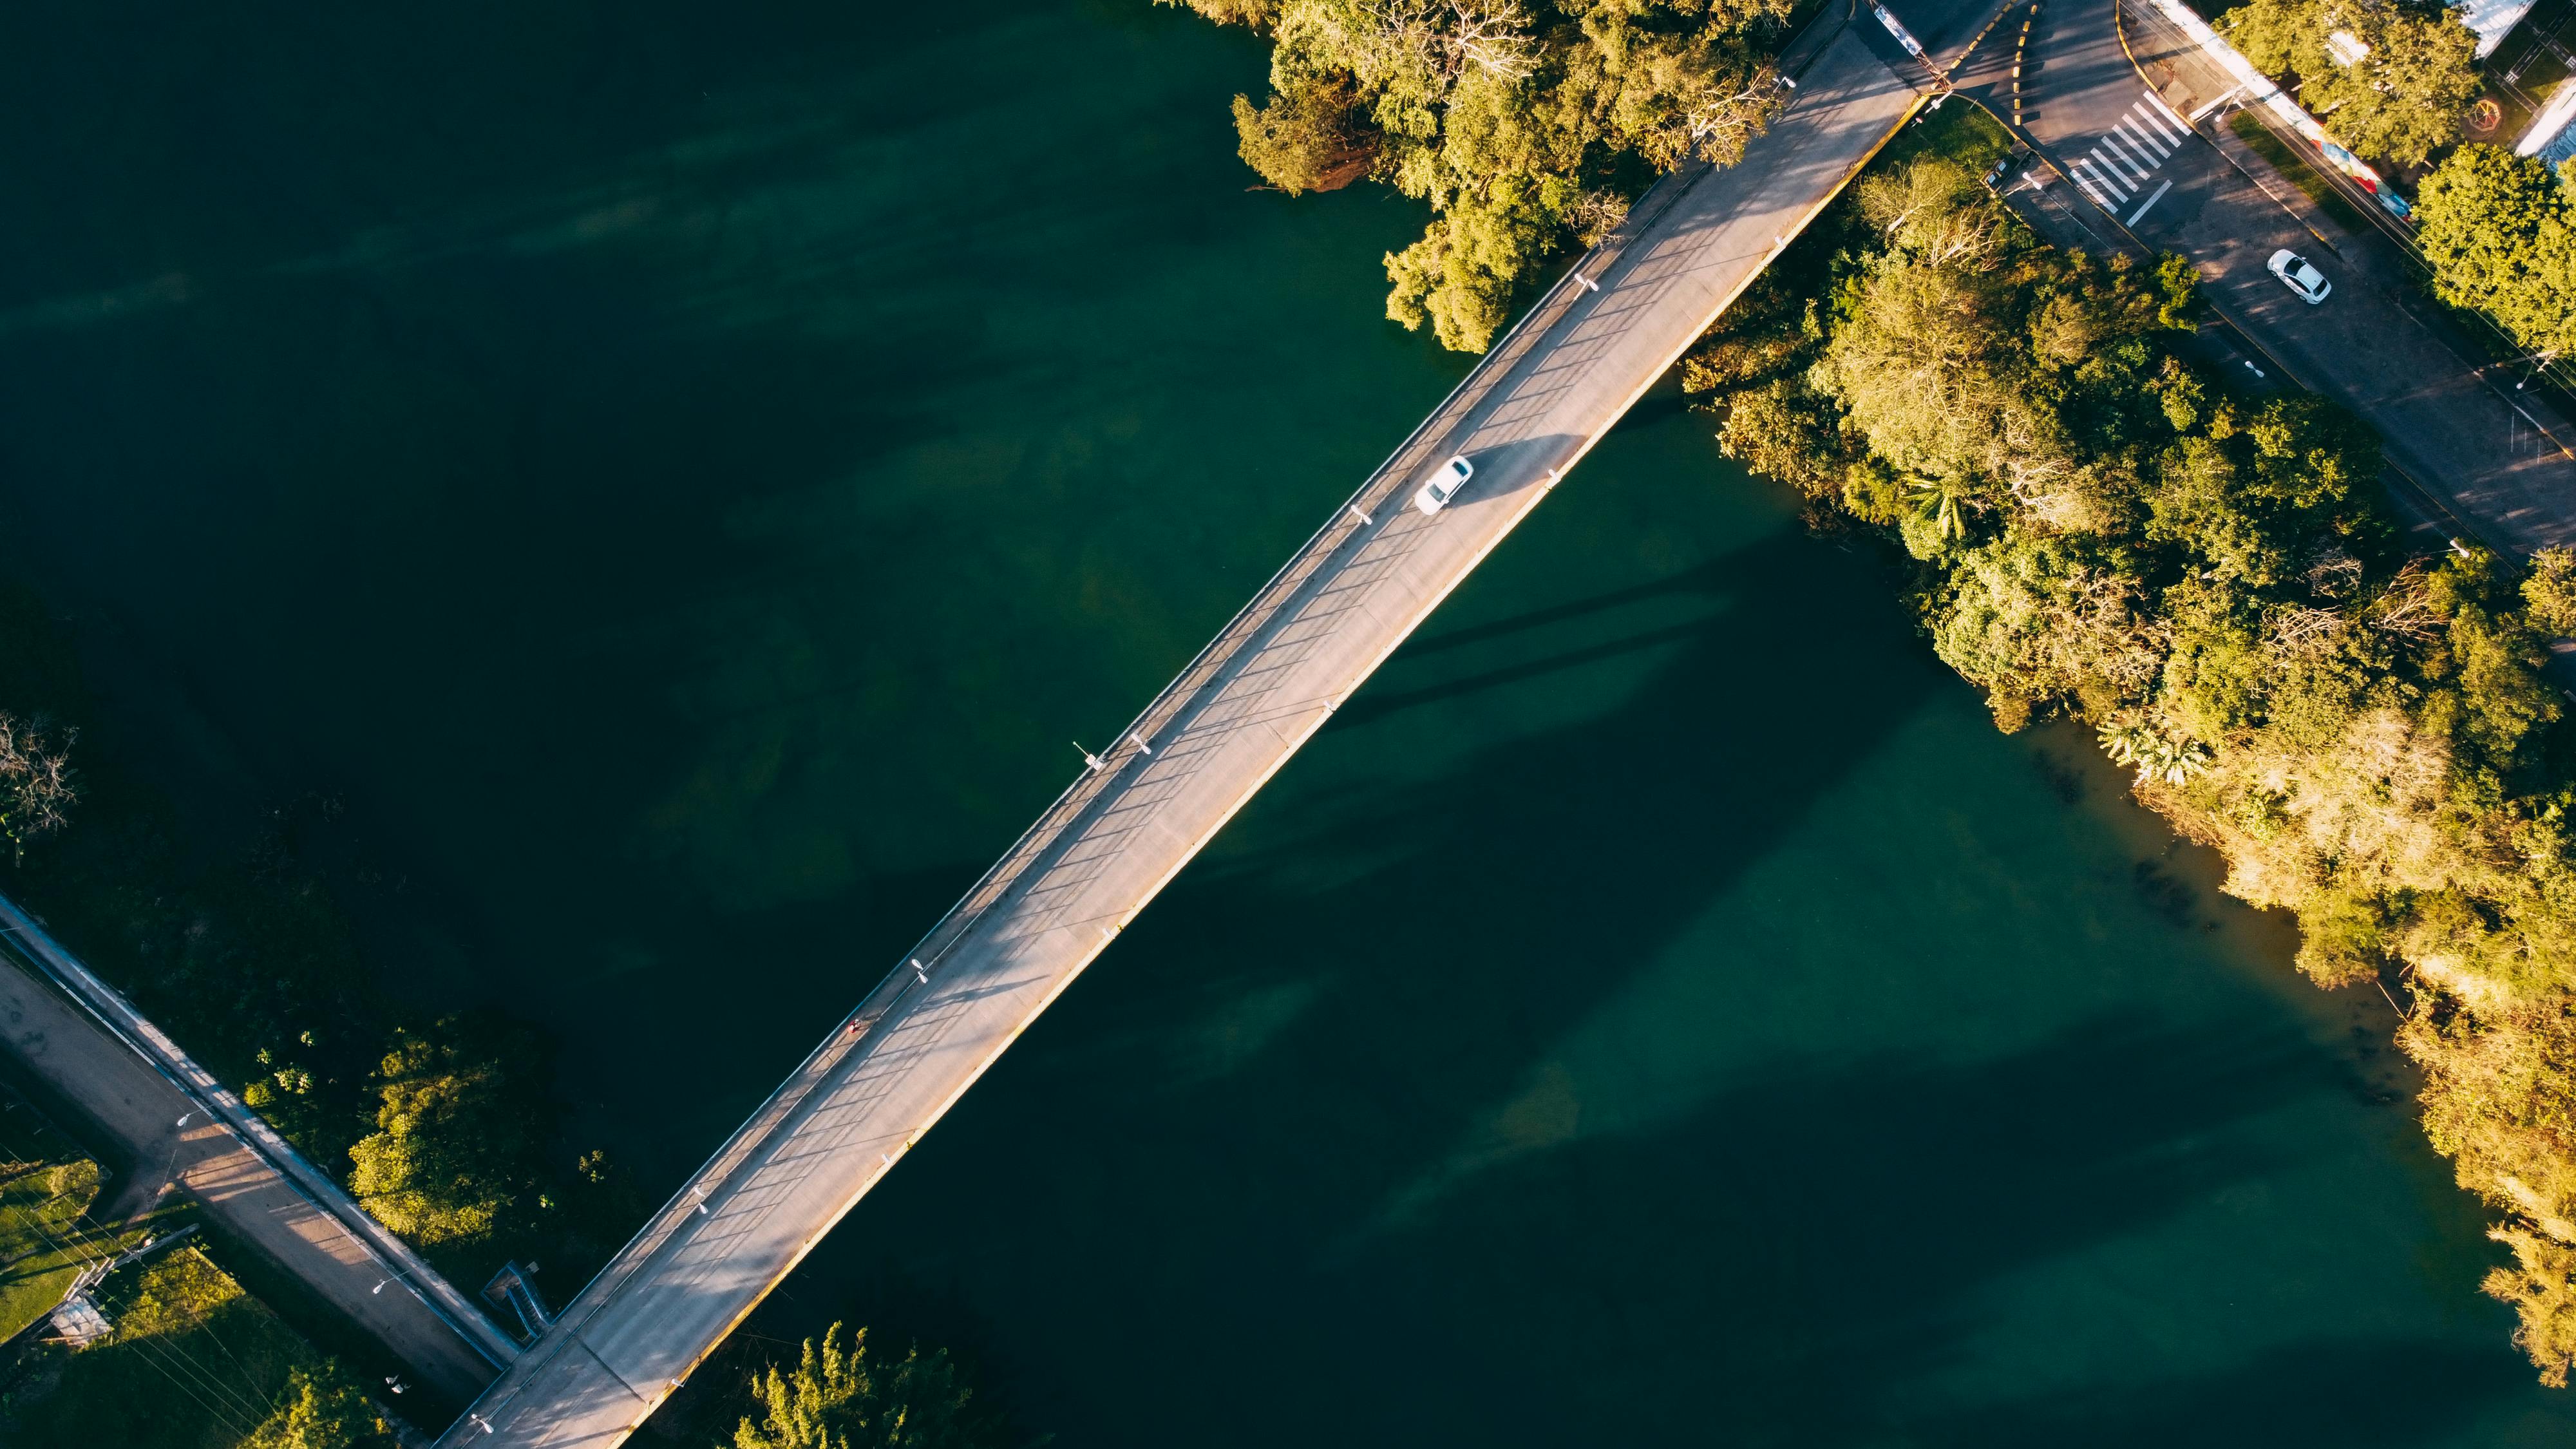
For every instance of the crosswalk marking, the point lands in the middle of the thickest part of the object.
(2158, 109)
(2155, 120)
(2141, 136)
(2127, 156)
(2095, 185)
(2136, 164)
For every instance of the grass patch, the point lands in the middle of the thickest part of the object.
(194, 1363)
(1959, 130)
(2296, 169)
(46, 1187)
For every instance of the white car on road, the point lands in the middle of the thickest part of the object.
(2299, 275)
(1444, 485)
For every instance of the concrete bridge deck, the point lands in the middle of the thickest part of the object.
(1273, 677)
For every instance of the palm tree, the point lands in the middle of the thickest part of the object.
(1936, 501)
(2155, 754)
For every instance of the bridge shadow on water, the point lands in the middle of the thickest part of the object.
(1305, 1158)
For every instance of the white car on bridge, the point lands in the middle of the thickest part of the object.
(1444, 485)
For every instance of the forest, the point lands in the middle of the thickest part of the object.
(2089, 526)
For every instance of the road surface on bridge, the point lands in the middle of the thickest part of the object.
(174, 1124)
(1275, 675)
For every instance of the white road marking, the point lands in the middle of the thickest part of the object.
(2145, 138)
(2102, 178)
(2145, 163)
(2137, 145)
(2129, 170)
(2150, 201)
(2113, 182)
(2158, 102)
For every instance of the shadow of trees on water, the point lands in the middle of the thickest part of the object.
(1248, 1183)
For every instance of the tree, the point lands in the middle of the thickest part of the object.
(451, 1152)
(1459, 277)
(2496, 230)
(2389, 80)
(1523, 127)
(2549, 594)
(1254, 14)
(1304, 139)
(323, 1410)
(838, 1398)
(35, 782)
(1781, 431)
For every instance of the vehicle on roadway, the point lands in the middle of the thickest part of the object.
(2299, 275)
(1444, 485)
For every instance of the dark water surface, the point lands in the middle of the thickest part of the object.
(684, 475)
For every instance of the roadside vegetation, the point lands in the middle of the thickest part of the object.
(839, 1395)
(2393, 81)
(2495, 231)
(2091, 528)
(2499, 232)
(448, 1128)
(762, 1391)
(2296, 169)
(47, 1184)
(1526, 127)
(193, 1363)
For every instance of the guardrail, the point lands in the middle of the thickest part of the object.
(118, 1016)
(1385, 486)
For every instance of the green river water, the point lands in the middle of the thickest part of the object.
(684, 475)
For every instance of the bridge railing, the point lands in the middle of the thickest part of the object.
(1385, 487)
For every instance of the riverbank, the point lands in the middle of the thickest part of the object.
(2091, 527)
(687, 532)
(251, 964)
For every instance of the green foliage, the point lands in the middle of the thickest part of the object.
(2097, 530)
(2549, 594)
(2500, 235)
(1524, 126)
(2400, 102)
(1250, 13)
(1305, 138)
(193, 1363)
(1459, 277)
(840, 1398)
(2292, 163)
(447, 1158)
(46, 1187)
(248, 959)
(323, 1410)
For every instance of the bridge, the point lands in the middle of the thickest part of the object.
(1149, 801)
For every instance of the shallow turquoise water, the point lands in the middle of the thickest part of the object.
(687, 477)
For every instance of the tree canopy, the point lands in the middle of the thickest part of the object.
(1524, 126)
(2095, 529)
(839, 1397)
(2392, 81)
(448, 1157)
(322, 1410)
(2499, 232)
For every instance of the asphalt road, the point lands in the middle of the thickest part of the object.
(1374, 572)
(2129, 173)
(162, 1135)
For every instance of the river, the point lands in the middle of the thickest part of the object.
(686, 477)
